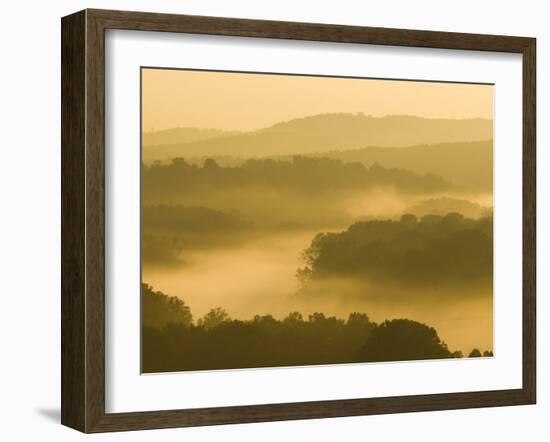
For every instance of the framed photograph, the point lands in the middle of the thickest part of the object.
(269, 220)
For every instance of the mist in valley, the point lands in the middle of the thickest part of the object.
(253, 271)
(334, 237)
(260, 279)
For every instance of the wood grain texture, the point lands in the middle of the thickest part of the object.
(145, 21)
(83, 220)
(95, 222)
(529, 220)
(73, 129)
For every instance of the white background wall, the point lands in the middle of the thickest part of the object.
(30, 216)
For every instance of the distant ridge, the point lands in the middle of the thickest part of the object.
(318, 133)
(182, 135)
(467, 164)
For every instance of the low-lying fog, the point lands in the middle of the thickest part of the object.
(259, 277)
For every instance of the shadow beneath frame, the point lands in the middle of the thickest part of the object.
(51, 414)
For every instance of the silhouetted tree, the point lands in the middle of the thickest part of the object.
(217, 342)
(210, 164)
(401, 340)
(450, 251)
(357, 319)
(214, 318)
(294, 318)
(159, 309)
(299, 174)
(475, 353)
(409, 219)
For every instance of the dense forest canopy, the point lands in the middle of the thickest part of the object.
(160, 310)
(174, 342)
(467, 164)
(435, 250)
(300, 174)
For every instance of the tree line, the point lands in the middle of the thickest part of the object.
(173, 341)
(298, 174)
(434, 250)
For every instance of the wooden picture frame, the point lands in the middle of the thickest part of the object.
(83, 220)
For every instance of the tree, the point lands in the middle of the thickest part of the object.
(449, 251)
(160, 310)
(401, 340)
(264, 319)
(475, 353)
(316, 317)
(294, 318)
(214, 318)
(210, 164)
(409, 219)
(356, 319)
(487, 354)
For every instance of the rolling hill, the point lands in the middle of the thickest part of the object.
(468, 165)
(183, 135)
(318, 133)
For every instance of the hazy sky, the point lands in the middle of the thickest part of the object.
(237, 101)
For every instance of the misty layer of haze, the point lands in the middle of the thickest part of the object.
(330, 238)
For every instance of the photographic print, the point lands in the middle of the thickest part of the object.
(294, 220)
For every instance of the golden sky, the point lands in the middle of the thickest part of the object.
(242, 101)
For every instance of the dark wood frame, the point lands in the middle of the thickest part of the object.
(83, 215)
